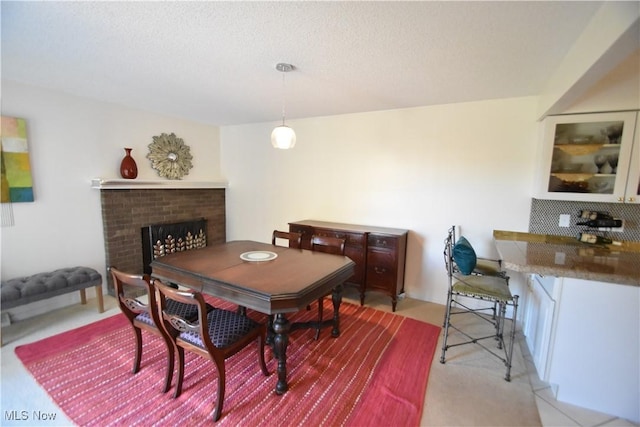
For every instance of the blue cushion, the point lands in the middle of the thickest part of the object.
(464, 256)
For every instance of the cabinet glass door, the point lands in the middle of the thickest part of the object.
(587, 156)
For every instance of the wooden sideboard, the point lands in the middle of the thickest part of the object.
(379, 254)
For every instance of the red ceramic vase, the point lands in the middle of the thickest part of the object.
(128, 166)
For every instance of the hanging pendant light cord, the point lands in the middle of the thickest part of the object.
(283, 98)
(283, 136)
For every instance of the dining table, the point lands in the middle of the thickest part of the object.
(273, 280)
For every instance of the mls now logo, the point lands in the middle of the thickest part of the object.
(26, 415)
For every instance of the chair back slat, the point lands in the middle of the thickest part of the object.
(130, 306)
(328, 244)
(175, 320)
(294, 239)
(180, 324)
(134, 305)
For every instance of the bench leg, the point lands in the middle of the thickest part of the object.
(100, 298)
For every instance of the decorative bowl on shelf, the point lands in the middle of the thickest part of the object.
(573, 178)
(579, 149)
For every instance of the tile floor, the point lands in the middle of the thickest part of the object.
(552, 412)
(21, 392)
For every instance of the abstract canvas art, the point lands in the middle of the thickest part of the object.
(17, 184)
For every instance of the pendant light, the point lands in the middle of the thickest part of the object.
(283, 136)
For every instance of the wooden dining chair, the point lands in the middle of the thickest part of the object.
(330, 245)
(294, 240)
(144, 316)
(215, 335)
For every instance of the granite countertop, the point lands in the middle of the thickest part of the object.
(563, 256)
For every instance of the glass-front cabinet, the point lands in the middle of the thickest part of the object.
(591, 157)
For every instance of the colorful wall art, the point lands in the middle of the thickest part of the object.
(17, 184)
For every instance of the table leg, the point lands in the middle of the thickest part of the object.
(281, 328)
(336, 297)
(269, 340)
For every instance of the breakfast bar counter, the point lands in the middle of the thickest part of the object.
(581, 317)
(563, 256)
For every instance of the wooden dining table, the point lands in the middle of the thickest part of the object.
(270, 279)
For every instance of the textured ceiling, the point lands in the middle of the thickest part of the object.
(214, 62)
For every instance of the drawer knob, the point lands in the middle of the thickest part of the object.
(379, 270)
(381, 242)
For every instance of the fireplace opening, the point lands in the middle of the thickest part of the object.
(159, 240)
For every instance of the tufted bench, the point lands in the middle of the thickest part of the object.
(24, 290)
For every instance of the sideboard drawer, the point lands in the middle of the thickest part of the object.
(382, 259)
(381, 241)
(352, 239)
(379, 277)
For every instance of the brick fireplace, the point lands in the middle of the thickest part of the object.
(126, 211)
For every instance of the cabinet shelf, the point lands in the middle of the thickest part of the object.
(577, 177)
(579, 149)
(583, 149)
(573, 177)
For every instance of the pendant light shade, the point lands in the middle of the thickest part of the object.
(283, 136)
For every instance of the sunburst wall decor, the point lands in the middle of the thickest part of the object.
(170, 156)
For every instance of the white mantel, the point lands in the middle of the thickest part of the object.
(138, 184)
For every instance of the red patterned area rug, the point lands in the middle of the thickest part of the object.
(375, 373)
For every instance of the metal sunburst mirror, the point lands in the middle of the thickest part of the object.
(170, 156)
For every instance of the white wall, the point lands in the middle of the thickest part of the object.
(72, 140)
(422, 169)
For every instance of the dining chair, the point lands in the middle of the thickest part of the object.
(215, 335)
(144, 316)
(481, 295)
(294, 240)
(330, 245)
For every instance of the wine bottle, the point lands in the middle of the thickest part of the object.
(602, 222)
(594, 215)
(597, 240)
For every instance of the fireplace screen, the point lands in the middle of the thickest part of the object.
(159, 240)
